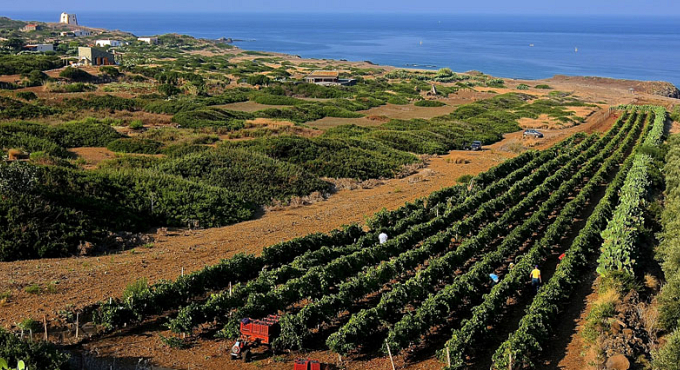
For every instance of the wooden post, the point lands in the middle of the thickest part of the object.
(510, 361)
(339, 359)
(182, 271)
(77, 323)
(448, 356)
(230, 289)
(45, 326)
(389, 352)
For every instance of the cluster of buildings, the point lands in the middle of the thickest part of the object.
(93, 55)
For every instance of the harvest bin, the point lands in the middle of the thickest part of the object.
(307, 364)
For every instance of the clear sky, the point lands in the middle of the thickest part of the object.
(553, 7)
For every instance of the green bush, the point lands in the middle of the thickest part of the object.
(136, 288)
(36, 355)
(668, 357)
(169, 90)
(522, 87)
(134, 145)
(26, 95)
(332, 156)
(136, 124)
(110, 71)
(21, 64)
(11, 108)
(464, 179)
(398, 100)
(544, 87)
(212, 117)
(429, 103)
(75, 74)
(78, 87)
(258, 80)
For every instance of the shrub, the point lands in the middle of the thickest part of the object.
(75, 74)
(36, 355)
(134, 145)
(212, 117)
(668, 357)
(257, 177)
(102, 102)
(180, 150)
(258, 80)
(135, 288)
(21, 64)
(11, 108)
(429, 103)
(136, 124)
(78, 87)
(464, 179)
(522, 87)
(168, 89)
(544, 87)
(26, 95)
(110, 71)
(398, 100)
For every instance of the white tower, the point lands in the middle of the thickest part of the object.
(68, 19)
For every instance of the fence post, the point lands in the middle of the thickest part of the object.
(45, 325)
(448, 356)
(77, 323)
(389, 352)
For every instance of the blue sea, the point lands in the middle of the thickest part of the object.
(642, 48)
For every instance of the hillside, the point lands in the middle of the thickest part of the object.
(163, 199)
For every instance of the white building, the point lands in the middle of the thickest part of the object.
(102, 43)
(76, 33)
(68, 19)
(148, 40)
(41, 48)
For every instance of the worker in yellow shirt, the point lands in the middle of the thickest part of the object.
(536, 280)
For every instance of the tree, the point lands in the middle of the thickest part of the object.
(14, 44)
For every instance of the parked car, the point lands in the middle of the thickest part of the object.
(475, 145)
(532, 133)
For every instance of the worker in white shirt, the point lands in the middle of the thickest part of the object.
(382, 238)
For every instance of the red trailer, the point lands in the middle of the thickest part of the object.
(254, 333)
